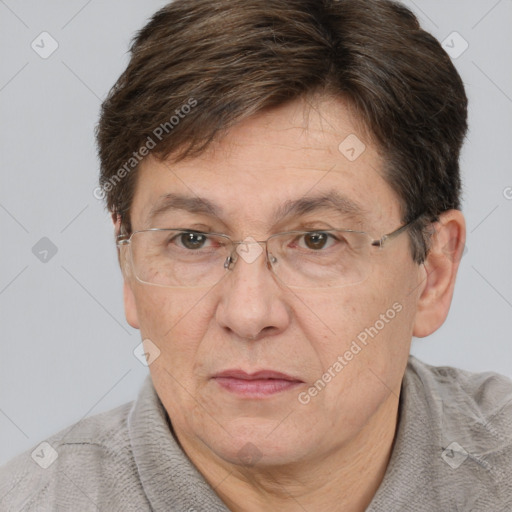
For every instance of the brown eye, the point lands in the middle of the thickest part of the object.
(316, 241)
(192, 240)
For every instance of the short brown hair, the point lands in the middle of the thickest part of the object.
(229, 59)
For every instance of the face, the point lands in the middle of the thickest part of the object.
(343, 349)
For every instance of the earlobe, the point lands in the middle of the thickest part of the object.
(130, 305)
(441, 265)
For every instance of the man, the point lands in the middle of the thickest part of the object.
(284, 183)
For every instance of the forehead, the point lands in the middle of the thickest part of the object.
(295, 152)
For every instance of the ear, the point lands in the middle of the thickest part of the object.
(441, 265)
(116, 221)
(130, 305)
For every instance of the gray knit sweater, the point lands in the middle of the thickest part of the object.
(452, 452)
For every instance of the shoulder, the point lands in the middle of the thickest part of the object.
(88, 463)
(469, 416)
(471, 394)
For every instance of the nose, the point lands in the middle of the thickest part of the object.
(251, 304)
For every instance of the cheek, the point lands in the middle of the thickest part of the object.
(362, 340)
(176, 321)
(331, 320)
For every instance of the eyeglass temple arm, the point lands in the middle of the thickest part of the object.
(393, 234)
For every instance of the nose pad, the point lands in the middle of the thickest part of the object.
(229, 263)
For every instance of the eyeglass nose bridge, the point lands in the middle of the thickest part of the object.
(249, 250)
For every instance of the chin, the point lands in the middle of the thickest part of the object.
(253, 445)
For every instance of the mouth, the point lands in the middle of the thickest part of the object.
(258, 384)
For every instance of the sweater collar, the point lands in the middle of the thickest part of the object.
(169, 479)
(418, 470)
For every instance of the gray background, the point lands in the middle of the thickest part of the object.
(66, 349)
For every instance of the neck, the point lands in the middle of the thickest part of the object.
(346, 478)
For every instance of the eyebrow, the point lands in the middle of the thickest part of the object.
(169, 202)
(330, 200)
